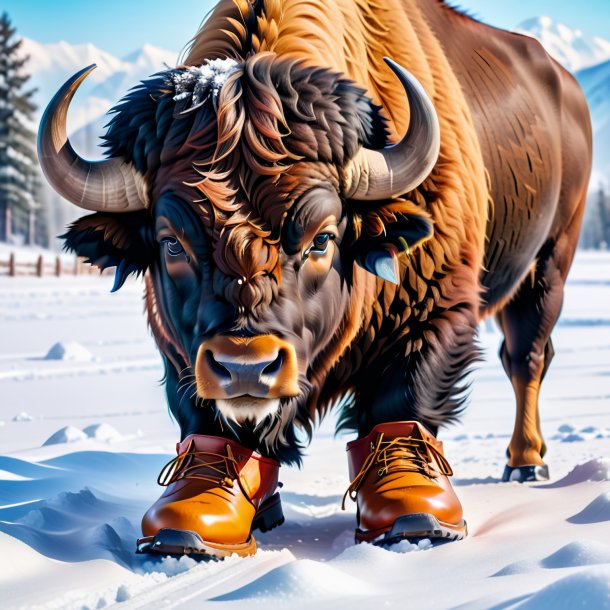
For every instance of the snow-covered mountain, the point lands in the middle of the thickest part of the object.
(595, 82)
(568, 46)
(589, 59)
(51, 64)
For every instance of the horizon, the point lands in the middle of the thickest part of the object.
(65, 22)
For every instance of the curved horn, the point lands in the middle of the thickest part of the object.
(398, 169)
(111, 185)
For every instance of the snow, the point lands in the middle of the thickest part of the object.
(595, 512)
(30, 254)
(70, 511)
(566, 594)
(198, 82)
(103, 432)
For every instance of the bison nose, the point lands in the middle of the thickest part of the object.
(263, 366)
(233, 372)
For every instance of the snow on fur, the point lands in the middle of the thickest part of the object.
(199, 82)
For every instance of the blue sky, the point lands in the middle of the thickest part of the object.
(121, 26)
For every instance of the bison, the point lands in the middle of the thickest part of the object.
(325, 199)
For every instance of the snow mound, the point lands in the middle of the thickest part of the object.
(588, 589)
(582, 553)
(67, 434)
(385, 557)
(302, 579)
(595, 512)
(104, 433)
(518, 567)
(594, 470)
(71, 351)
(364, 554)
(572, 555)
(23, 416)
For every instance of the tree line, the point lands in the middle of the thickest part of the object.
(595, 232)
(22, 216)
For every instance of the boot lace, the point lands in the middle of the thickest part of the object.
(202, 465)
(400, 454)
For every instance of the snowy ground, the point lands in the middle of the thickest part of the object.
(84, 431)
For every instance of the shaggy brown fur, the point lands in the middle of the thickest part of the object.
(352, 38)
(505, 198)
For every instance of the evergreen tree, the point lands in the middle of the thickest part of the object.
(20, 210)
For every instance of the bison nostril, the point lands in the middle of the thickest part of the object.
(221, 371)
(273, 368)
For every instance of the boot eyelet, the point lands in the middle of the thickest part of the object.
(372, 446)
(380, 472)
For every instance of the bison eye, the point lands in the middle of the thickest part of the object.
(320, 243)
(174, 248)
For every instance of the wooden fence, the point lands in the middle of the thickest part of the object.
(44, 267)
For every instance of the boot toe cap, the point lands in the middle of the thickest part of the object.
(380, 510)
(214, 522)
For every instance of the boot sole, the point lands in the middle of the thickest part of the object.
(414, 527)
(186, 542)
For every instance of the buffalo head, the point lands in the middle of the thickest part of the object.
(247, 192)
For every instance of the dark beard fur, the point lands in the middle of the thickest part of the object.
(274, 437)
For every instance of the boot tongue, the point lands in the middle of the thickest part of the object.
(215, 444)
(358, 450)
(205, 458)
(391, 430)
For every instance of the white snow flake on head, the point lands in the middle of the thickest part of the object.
(198, 82)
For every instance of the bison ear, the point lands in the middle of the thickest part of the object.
(123, 241)
(387, 232)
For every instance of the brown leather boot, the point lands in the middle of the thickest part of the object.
(217, 493)
(399, 481)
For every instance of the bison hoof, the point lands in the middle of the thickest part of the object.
(524, 474)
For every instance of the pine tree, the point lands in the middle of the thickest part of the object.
(20, 210)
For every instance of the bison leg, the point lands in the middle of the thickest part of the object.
(526, 353)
